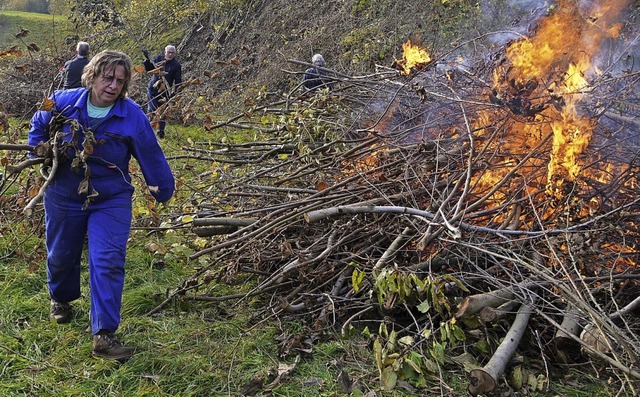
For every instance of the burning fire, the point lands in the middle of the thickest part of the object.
(541, 81)
(545, 78)
(412, 56)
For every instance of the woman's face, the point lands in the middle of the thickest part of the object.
(107, 87)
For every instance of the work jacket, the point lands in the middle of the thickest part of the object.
(123, 133)
(315, 78)
(73, 72)
(172, 73)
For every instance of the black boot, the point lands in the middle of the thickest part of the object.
(106, 345)
(60, 312)
(163, 124)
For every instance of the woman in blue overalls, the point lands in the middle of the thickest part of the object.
(97, 129)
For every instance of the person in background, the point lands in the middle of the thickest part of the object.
(314, 77)
(163, 84)
(98, 130)
(72, 70)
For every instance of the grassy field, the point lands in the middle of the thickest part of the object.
(44, 30)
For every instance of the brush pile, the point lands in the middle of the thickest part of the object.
(429, 204)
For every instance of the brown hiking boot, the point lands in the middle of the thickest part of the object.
(107, 346)
(61, 312)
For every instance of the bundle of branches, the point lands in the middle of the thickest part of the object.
(427, 204)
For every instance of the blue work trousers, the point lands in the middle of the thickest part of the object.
(153, 104)
(107, 225)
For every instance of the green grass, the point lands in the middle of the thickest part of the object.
(46, 31)
(194, 349)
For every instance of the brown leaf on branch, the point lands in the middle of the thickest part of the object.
(47, 105)
(11, 52)
(139, 69)
(159, 85)
(22, 33)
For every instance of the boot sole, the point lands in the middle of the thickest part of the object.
(121, 357)
(61, 320)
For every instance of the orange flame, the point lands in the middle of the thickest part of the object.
(412, 56)
(558, 58)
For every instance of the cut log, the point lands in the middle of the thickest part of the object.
(214, 230)
(485, 379)
(474, 303)
(207, 227)
(595, 337)
(490, 314)
(570, 327)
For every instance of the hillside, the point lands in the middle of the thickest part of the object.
(354, 37)
(247, 48)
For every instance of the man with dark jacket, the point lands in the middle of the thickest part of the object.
(315, 77)
(164, 83)
(73, 68)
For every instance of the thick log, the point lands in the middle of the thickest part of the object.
(474, 303)
(485, 379)
(317, 215)
(214, 230)
(569, 326)
(491, 314)
(207, 227)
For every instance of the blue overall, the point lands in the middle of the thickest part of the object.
(106, 220)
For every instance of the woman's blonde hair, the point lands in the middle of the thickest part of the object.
(105, 61)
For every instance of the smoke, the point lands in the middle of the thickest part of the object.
(514, 20)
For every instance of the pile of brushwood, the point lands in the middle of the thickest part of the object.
(422, 207)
